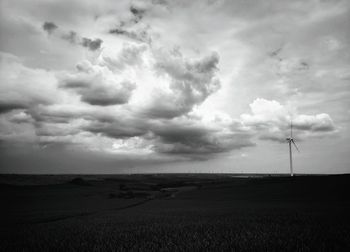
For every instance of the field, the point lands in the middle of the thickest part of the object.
(174, 212)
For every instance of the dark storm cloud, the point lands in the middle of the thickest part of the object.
(173, 133)
(117, 129)
(177, 139)
(73, 37)
(92, 44)
(165, 111)
(45, 114)
(191, 82)
(67, 113)
(7, 107)
(56, 122)
(95, 92)
(54, 130)
(173, 138)
(49, 27)
(105, 97)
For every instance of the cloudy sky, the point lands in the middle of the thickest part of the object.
(174, 86)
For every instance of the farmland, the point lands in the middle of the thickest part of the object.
(174, 212)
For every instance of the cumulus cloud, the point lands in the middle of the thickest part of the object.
(194, 135)
(168, 86)
(190, 82)
(190, 135)
(175, 84)
(163, 119)
(271, 121)
(98, 85)
(180, 82)
(315, 123)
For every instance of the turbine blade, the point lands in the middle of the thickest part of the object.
(296, 147)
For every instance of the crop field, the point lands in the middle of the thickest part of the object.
(174, 212)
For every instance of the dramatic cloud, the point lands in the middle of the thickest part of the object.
(153, 81)
(190, 82)
(177, 81)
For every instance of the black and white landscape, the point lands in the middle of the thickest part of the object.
(174, 212)
(174, 125)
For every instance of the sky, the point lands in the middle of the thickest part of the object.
(174, 86)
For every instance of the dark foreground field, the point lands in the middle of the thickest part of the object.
(174, 213)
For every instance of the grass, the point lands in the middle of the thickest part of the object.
(272, 214)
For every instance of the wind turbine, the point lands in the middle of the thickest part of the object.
(290, 141)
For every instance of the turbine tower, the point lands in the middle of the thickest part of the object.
(290, 141)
